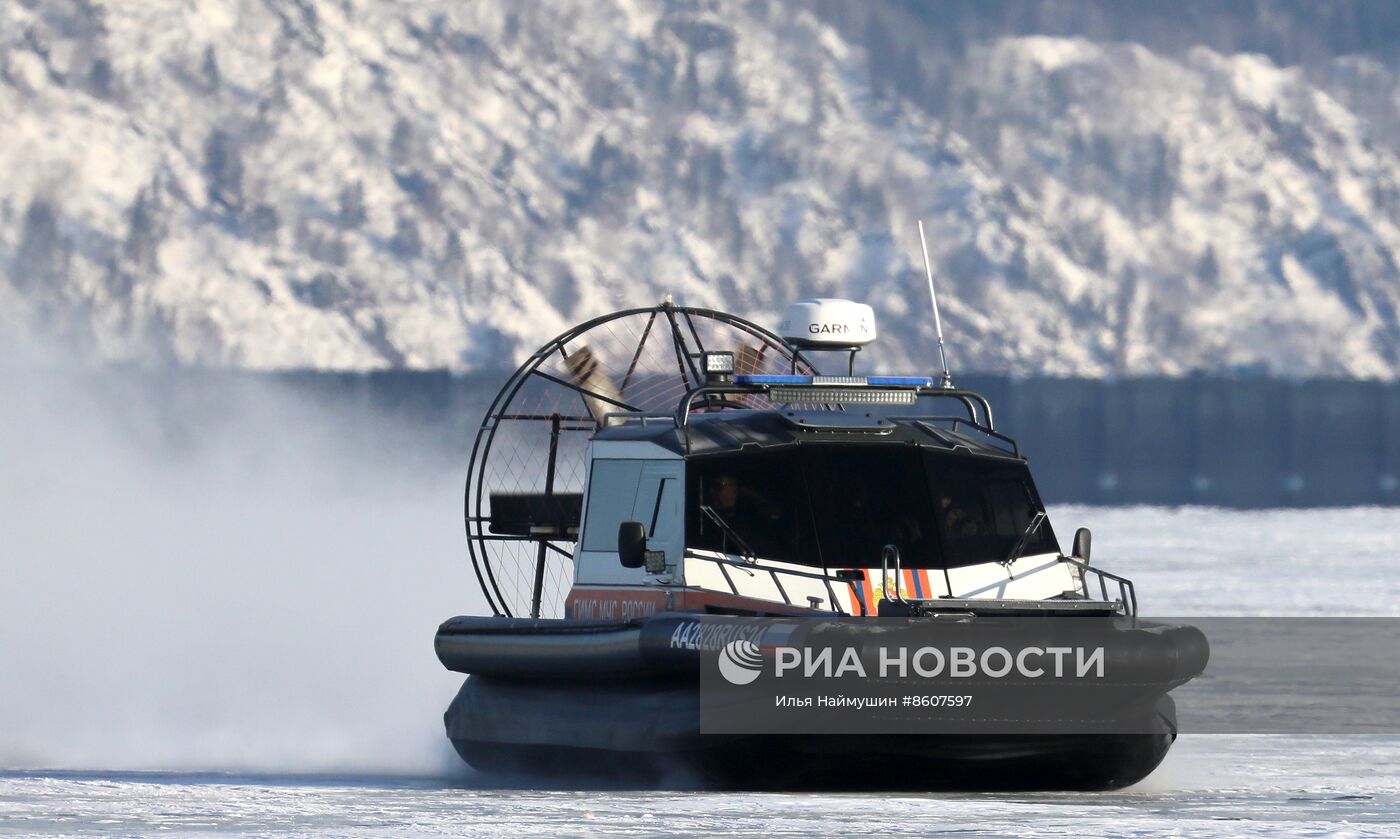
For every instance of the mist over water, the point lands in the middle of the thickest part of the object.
(220, 578)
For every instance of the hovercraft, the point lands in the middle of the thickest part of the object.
(662, 498)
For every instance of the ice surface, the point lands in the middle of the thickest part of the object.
(1209, 786)
(1204, 561)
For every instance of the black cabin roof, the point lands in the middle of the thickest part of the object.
(732, 430)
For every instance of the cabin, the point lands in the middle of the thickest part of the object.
(798, 493)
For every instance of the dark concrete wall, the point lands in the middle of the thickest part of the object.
(1231, 442)
(1247, 442)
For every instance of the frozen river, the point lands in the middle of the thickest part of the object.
(1210, 785)
(200, 676)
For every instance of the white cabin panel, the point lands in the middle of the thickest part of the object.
(648, 490)
(1028, 578)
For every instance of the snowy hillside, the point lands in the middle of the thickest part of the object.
(362, 184)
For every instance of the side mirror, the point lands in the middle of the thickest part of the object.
(632, 544)
(1082, 539)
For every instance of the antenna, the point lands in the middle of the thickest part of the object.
(937, 323)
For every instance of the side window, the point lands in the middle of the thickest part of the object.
(612, 492)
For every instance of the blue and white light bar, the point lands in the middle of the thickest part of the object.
(837, 381)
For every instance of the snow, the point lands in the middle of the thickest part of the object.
(1209, 786)
(1051, 54)
(593, 149)
(1257, 81)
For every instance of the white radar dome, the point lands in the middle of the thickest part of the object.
(826, 322)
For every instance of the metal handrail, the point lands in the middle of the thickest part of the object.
(997, 435)
(885, 554)
(1127, 592)
(756, 564)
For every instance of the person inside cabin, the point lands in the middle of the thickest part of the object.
(749, 510)
(962, 517)
(722, 494)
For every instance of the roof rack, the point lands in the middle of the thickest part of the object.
(841, 390)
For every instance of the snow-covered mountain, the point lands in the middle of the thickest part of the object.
(356, 184)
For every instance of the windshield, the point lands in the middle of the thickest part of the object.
(985, 511)
(837, 506)
(758, 497)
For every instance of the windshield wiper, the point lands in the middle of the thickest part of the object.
(1020, 545)
(728, 531)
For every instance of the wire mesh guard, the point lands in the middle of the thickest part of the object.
(534, 436)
